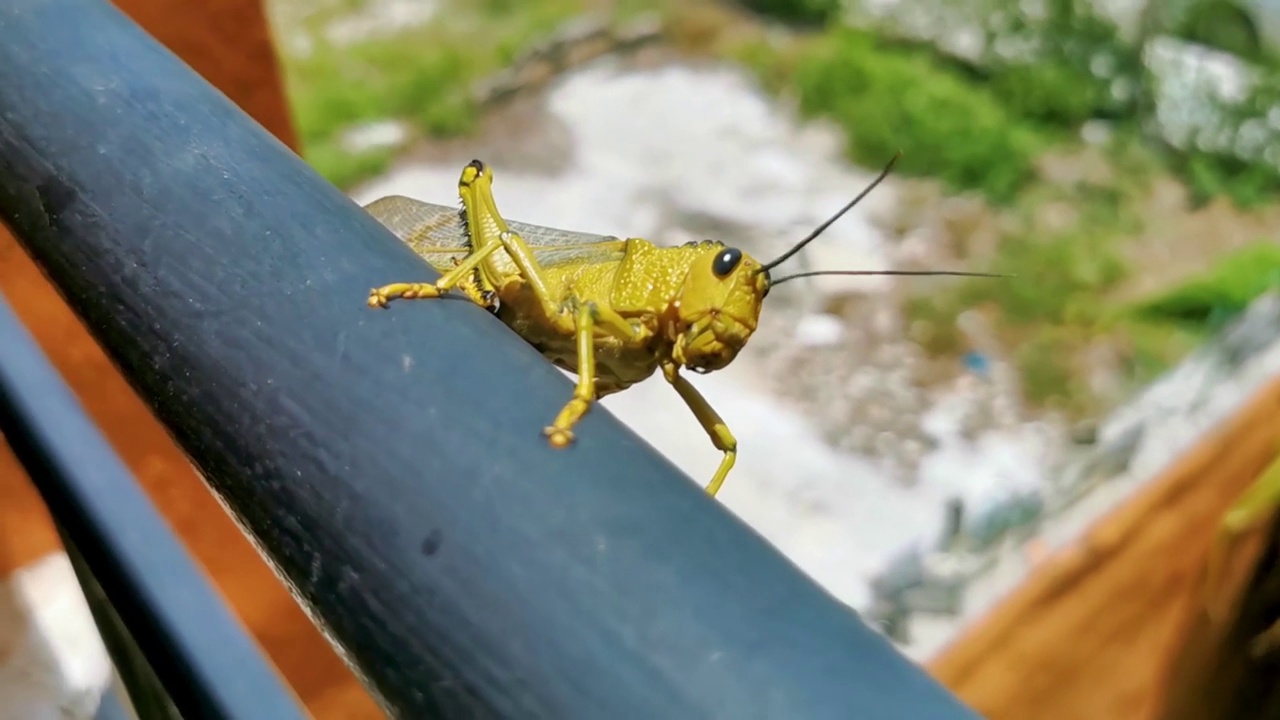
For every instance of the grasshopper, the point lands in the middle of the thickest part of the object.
(611, 310)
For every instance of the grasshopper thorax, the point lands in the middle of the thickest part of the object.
(718, 306)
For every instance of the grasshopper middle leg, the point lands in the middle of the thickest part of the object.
(560, 431)
(588, 319)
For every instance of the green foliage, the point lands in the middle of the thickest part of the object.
(1049, 309)
(375, 80)
(345, 169)
(1078, 66)
(1238, 157)
(773, 64)
(1210, 175)
(1055, 280)
(1055, 304)
(1223, 25)
(1051, 93)
(1221, 293)
(796, 11)
(1153, 348)
(423, 75)
(888, 99)
(1044, 364)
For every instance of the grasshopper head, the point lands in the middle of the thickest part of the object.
(718, 307)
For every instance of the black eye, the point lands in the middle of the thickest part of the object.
(726, 262)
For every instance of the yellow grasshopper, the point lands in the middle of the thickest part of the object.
(611, 310)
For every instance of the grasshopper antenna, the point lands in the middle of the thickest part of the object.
(779, 281)
(823, 227)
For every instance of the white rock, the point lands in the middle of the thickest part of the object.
(819, 330)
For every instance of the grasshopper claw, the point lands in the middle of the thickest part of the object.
(377, 298)
(559, 437)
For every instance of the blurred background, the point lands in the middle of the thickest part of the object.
(915, 446)
(1001, 475)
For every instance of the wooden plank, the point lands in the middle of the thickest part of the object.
(1212, 672)
(1089, 634)
(229, 43)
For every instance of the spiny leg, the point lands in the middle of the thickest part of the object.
(560, 432)
(711, 422)
(379, 297)
(484, 220)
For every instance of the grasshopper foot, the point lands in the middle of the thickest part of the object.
(559, 438)
(379, 297)
(560, 432)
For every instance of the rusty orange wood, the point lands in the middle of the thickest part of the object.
(1090, 634)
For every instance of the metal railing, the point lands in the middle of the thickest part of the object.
(390, 463)
(175, 645)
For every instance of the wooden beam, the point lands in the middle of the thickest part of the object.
(1213, 670)
(1090, 633)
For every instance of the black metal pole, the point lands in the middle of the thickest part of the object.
(178, 648)
(391, 463)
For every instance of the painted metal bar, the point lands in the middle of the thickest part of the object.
(179, 649)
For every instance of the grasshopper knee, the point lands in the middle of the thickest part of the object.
(723, 439)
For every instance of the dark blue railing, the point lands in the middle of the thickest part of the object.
(176, 646)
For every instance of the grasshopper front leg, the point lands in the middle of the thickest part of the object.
(710, 420)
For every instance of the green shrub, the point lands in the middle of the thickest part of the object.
(1051, 93)
(1223, 292)
(1080, 67)
(380, 79)
(1210, 175)
(1044, 364)
(888, 99)
(796, 11)
(1057, 280)
(1243, 168)
(422, 75)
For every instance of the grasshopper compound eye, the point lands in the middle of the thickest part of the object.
(726, 262)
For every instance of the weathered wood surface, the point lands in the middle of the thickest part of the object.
(1093, 632)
